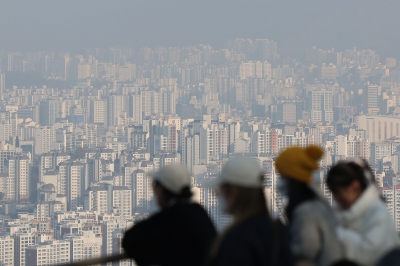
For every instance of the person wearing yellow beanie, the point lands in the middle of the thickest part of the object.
(299, 163)
(312, 223)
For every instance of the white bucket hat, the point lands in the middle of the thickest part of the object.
(173, 177)
(241, 171)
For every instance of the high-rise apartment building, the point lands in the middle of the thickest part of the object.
(48, 253)
(22, 240)
(117, 237)
(49, 111)
(86, 246)
(75, 184)
(50, 161)
(2, 83)
(142, 185)
(96, 199)
(321, 106)
(213, 143)
(18, 178)
(44, 137)
(98, 112)
(7, 251)
(190, 154)
(122, 201)
(266, 49)
(372, 104)
(135, 108)
(287, 112)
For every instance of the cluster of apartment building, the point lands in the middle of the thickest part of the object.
(77, 153)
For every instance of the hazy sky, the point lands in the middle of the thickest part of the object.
(76, 25)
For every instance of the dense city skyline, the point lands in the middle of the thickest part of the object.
(96, 96)
(80, 134)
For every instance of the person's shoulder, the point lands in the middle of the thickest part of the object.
(315, 208)
(378, 210)
(309, 206)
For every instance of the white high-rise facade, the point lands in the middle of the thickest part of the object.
(7, 251)
(48, 253)
(96, 199)
(143, 185)
(75, 185)
(21, 242)
(98, 112)
(18, 178)
(44, 136)
(84, 247)
(122, 201)
(213, 143)
(321, 106)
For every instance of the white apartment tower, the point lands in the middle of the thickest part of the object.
(191, 151)
(86, 246)
(7, 251)
(213, 143)
(142, 184)
(122, 201)
(49, 161)
(48, 253)
(21, 242)
(44, 136)
(75, 184)
(98, 109)
(96, 199)
(135, 108)
(321, 106)
(18, 178)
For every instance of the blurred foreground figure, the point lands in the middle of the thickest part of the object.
(252, 239)
(390, 259)
(312, 222)
(180, 234)
(367, 230)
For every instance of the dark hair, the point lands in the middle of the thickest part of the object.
(343, 174)
(185, 193)
(299, 192)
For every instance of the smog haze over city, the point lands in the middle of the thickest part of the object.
(95, 96)
(78, 25)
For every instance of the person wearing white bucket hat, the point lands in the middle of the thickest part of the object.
(180, 234)
(253, 238)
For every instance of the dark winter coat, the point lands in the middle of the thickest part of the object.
(390, 259)
(181, 234)
(252, 243)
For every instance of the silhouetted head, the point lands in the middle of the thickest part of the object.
(347, 181)
(172, 182)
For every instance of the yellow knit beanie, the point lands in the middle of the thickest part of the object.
(299, 163)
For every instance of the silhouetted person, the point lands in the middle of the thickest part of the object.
(390, 259)
(367, 230)
(180, 234)
(312, 223)
(252, 239)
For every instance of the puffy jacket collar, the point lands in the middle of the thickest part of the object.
(362, 204)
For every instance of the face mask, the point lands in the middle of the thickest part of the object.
(282, 187)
